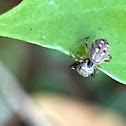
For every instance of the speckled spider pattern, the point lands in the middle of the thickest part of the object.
(97, 54)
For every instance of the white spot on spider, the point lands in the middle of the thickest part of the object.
(96, 50)
(102, 41)
(107, 45)
(102, 54)
(105, 48)
(100, 45)
(97, 60)
(93, 57)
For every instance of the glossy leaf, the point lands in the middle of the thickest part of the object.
(64, 25)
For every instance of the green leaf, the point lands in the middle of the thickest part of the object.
(63, 25)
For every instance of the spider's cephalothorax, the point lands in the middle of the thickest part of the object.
(97, 54)
(85, 68)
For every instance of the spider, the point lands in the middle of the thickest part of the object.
(97, 54)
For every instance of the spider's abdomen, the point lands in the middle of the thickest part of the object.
(99, 51)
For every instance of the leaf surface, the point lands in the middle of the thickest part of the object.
(64, 25)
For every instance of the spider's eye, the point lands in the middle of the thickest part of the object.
(89, 63)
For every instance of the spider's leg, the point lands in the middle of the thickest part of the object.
(74, 65)
(110, 58)
(95, 72)
(86, 44)
(93, 75)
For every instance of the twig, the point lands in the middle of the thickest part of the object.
(19, 101)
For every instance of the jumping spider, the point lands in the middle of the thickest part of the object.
(96, 55)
